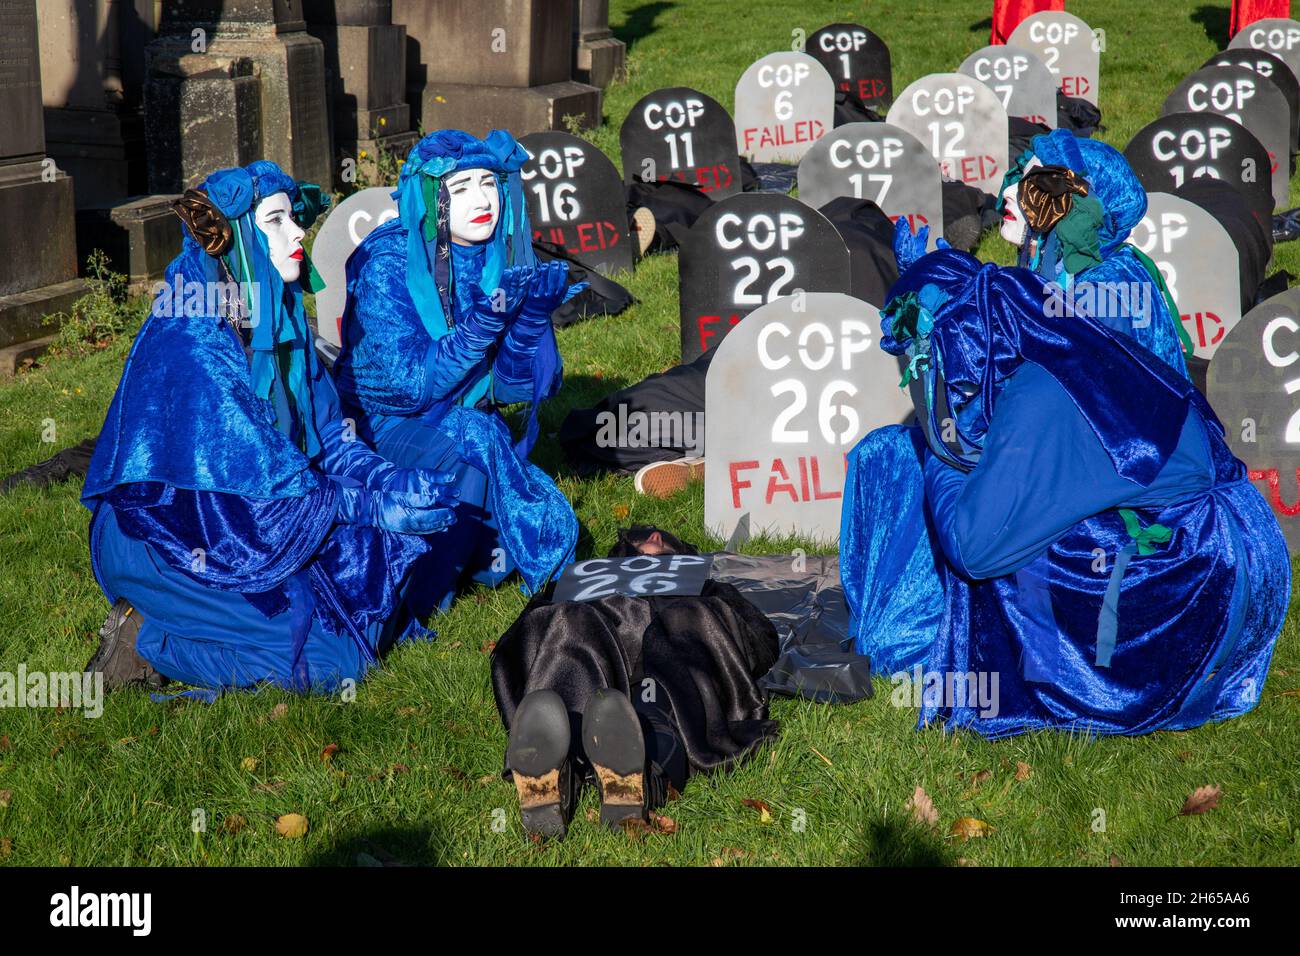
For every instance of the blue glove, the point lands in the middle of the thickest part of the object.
(908, 247)
(401, 511)
(547, 291)
(455, 355)
(419, 481)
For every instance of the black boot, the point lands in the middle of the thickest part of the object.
(538, 758)
(116, 658)
(615, 745)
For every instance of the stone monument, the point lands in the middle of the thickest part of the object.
(598, 57)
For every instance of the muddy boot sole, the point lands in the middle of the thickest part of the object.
(613, 742)
(538, 755)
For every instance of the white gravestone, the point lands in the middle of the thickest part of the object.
(1067, 48)
(785, 102)
(342, 231)
(961, 122)
(1019, 79)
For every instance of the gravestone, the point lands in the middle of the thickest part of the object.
(1253, 101)
(480, 65)
(1199, 262)
(1272, 66)
(576, 201)
(880, 162)
(38, 256)
(788, 395)
(1021, 81)
(961, 122)
(1177, 147)
(1252, 388)
(785, 102)
(1276, 35)
(342, 231)
(857, 60)
(681, 134)
(749, 250)
(1065, 45)
(598, 56)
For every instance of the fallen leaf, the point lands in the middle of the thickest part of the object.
(6, 847)
(621, 512)
(980, 777)
(407, 711)
(5, 743)
(968, 828)
(279, 710)
(592, 815)
(962, 861)
(922, 808)
(291, 826)
(1201, 800)
(1069, 760)
(662, 823)
(764, 811)
(455, 772)
(488, 780)
(1115, 860)
(488, 647)
(248, 764)
(271, 786)
(233, 824)
(1293, 692)
(6, 798)
(1023, 770)
(328, 753)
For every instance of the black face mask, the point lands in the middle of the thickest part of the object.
(647, 539)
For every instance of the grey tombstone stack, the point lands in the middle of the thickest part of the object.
(788, 395)
(1276, 35)
(1065, 45)
(365, 70)
(879, 162)
(38, 250)
(1199, 262)
(231, 81)
(785, 102)
(961, 122)
(480, 65)
(598, 56)
(1019, 79)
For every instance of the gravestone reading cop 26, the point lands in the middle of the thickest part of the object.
(746, 251)
(1068, 49)
(857, 60)
(1019, 78)
(785, 102)
(1246, 97)
(1181, 146)
(1200, 265)
(576, 200)
(788, 395)
(1254, 388)
(680, 134)
(1272, 66)
(342, 231)
(879, 162)
(1276, 35)
(961, 122)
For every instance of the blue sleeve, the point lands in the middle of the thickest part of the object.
(343, 453)
(523, 354)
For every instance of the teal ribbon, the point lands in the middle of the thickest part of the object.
(1146, 540)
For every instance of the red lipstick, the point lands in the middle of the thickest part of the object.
(296, 254)
(486, 217)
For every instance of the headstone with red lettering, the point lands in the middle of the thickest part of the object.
(1254, 388)
(1019, 78)
(857, 60)
(342, 231)
(961, 122)
(788, 395)
(1276, 35)
(576, 201)
(785, 102)
(1272, 66)
(1068, 49)
(1246, 97)
(879, 162)
(747, 251)
(1199, 263)
(681, 134)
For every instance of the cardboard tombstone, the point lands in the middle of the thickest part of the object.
(1276, 35)
(1177, 147)
(681, 134)
(1254, 388)
(1065, 44)
(961, 122)
(1199, 262)
(749, 250)
(576, 200)
(857, 60)
(1272, 66)
(785, 102)
(879, 162)
(342, 231)
(788, 395)
(640, 575)
(1247, 98)
(1020, 79)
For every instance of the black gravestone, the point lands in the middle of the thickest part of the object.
(857, 60)
(1249, 99)
(576, 200)
(745, 252)
(1275, 68)
(681, 134)
(1021, 81)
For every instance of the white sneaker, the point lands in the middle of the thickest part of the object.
(663, 479)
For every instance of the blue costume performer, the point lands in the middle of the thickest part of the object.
(1068, 521)
(244, 533)
(449, 315)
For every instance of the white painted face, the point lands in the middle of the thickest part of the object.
(475, 206)
(274, 216)
(1013, 217)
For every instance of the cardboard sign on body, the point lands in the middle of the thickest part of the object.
(1272, 66)
(880, 162)
(749, 250)
(576, 200)
(857, 60)
(1276, 35)
(961, 122)
(788, 395)
(785, 102)
(342, 231)
(1066, 46)
(1020, 80)
(1199, 262)
(640, 575)
(680, 134)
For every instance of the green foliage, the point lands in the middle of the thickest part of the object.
(105, 314)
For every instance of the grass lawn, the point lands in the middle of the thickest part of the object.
(416, 776)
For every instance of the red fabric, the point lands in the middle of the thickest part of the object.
(1007, 15)
(1246, 12)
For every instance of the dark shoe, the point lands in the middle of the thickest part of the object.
(61, 466)
(116, 658)
(538, 758)
(615, 746)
